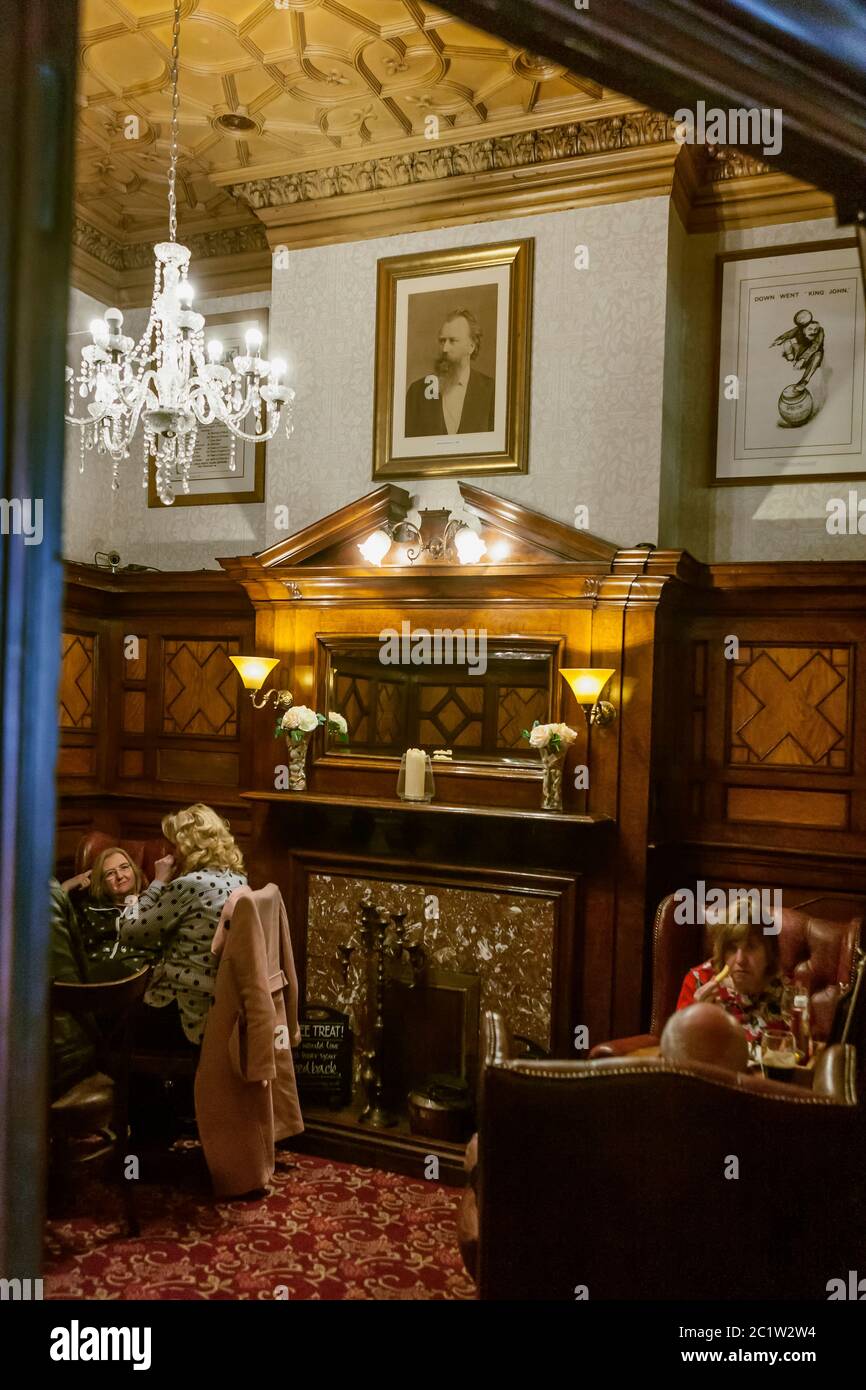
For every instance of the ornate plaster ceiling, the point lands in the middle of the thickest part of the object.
(304, 122)
(270, 87)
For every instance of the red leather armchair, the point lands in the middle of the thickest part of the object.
(616, 1177)
(817, 944)
(144, 852)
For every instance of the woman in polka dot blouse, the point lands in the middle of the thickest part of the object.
(178, 914)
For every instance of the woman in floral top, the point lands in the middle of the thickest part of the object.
(752, 992)
(178, 915)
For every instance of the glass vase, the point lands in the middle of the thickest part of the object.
(298, 763)
(551, 784)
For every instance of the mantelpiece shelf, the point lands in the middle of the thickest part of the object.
(376, 803)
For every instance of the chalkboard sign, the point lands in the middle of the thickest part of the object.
(323, 1059)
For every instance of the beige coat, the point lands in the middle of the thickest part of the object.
(246, 1097)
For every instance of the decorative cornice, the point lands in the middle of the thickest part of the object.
(723, 162)
(717, 188)
(222, 241)
(97, 243)
(440, 162)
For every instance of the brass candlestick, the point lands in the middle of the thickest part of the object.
(412, 951)
(377, 939)
(374, 927)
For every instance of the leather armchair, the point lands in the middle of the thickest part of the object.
(616, 1175)
(144, 852)
(817, 944)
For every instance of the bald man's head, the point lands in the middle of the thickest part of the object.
(705, 1033)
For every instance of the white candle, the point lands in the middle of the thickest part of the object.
(416, 771)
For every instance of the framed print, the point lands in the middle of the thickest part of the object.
(453, 339)
(789, 381)
(212, 482)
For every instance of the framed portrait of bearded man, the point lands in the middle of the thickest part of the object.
(453, 344)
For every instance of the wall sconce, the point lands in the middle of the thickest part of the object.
(461, 539)
(587, 683)
(254, 671)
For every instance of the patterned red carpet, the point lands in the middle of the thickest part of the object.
(327, 1231)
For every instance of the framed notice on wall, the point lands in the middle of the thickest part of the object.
(212, 479)
(791, 364)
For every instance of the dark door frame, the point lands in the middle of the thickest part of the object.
(806, 58)
(37, 117)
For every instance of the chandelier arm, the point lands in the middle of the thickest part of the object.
(252, 438)
(82, 421)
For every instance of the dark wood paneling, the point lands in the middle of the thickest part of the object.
(195, 765)
(759, 761)
(171, 723)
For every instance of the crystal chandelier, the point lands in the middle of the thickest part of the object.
(164, 380)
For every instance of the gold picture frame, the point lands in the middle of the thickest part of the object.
(249, 458)
(476, 303)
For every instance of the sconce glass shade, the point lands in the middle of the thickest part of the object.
(469, 546)
(254, 670)
(375, 547)
(587, 682)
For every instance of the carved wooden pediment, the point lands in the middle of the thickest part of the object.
(527, 553)
(515, 535)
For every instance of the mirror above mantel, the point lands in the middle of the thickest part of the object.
(474, 701)
(564, 598)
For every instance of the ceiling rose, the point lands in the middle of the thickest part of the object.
(238, 123)
(539, 69)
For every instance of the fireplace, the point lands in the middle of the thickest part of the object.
(503, 939)
(498, 897)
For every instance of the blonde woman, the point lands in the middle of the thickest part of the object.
(178, 914)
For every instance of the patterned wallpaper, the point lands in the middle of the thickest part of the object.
(595, 425)
(619, 411)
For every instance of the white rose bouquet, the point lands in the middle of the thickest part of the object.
(300, 720)
(554, 738)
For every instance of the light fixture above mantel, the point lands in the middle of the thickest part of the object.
(461, 539)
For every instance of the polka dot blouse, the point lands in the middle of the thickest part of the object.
(180, 919)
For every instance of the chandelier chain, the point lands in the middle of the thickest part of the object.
(175, 102)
